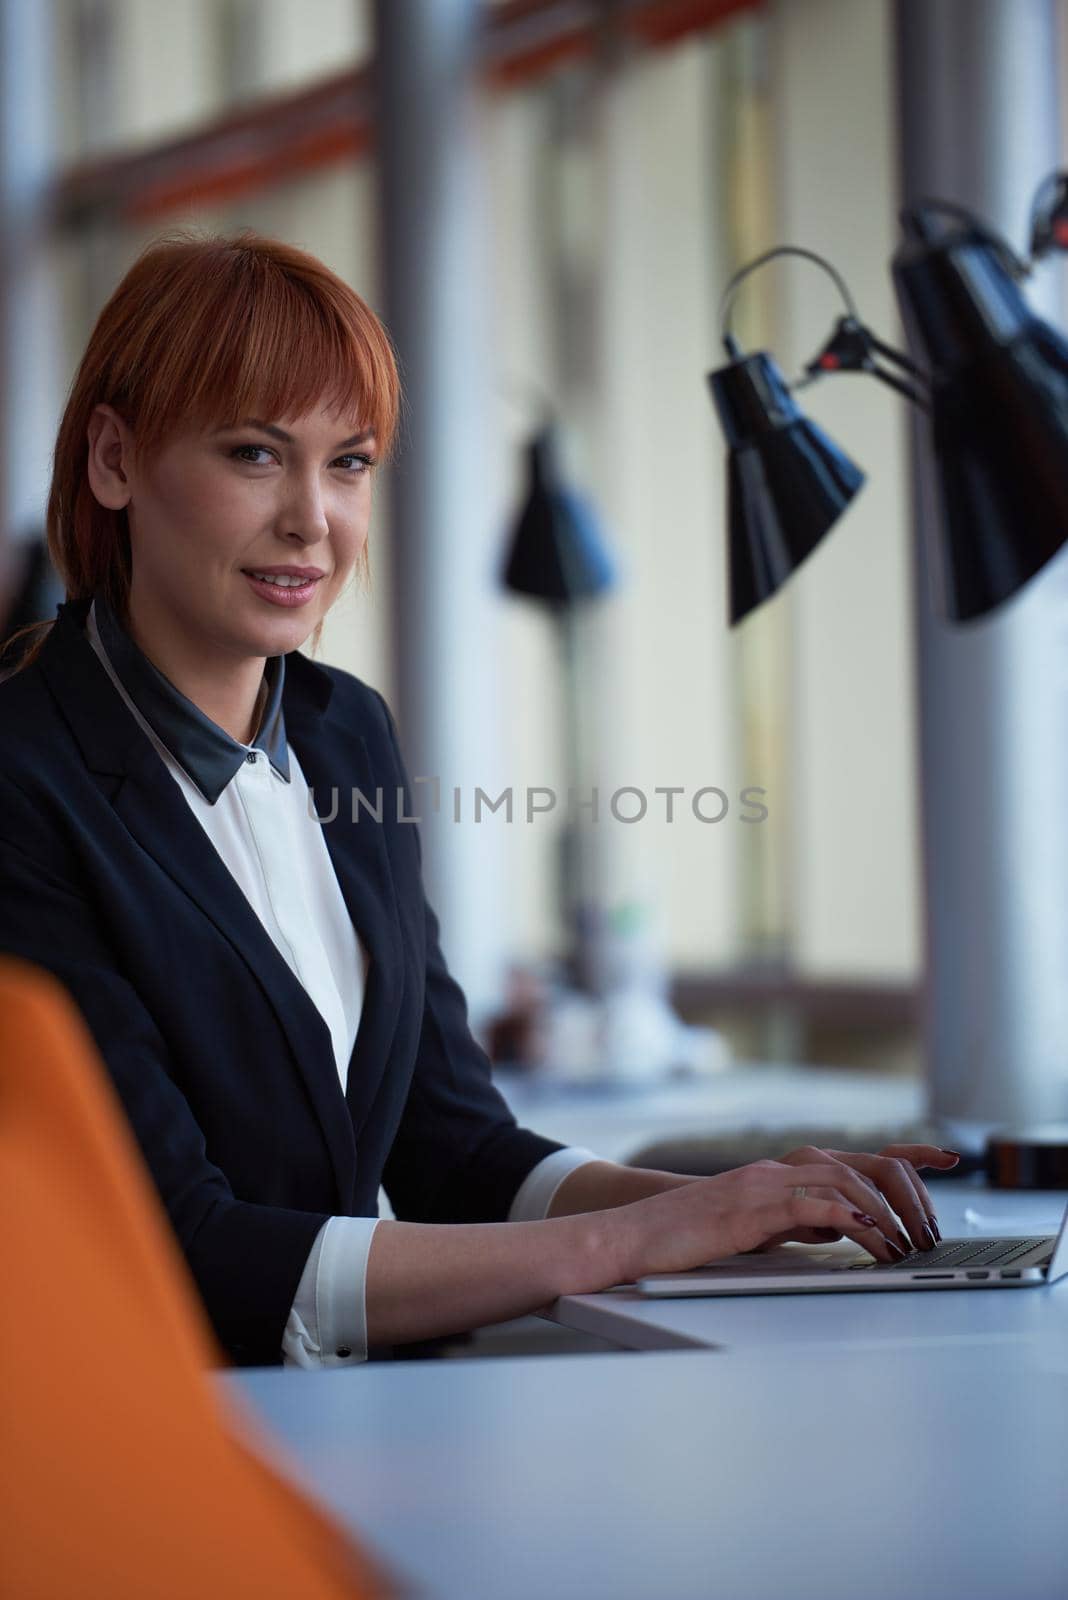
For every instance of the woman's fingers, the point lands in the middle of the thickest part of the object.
(892, 1173)
(923, 1155)
(898, 1180)
(836, 1178)
(813, 1211)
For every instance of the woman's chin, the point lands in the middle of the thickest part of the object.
(279, 628)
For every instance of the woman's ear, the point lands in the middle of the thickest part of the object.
(110, 457)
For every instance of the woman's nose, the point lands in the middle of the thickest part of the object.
(304, 511)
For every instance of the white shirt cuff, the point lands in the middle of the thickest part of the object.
(327, 1325)
(535, 1194)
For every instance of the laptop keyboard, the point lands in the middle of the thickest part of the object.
(965, 1253)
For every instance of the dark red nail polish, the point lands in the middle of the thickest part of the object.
(933, 1225)
(930, 1236)
(904, 1240)
(950, 1152)
(895, 1250)
(862, 1216)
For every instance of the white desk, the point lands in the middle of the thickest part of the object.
(795, 1461)
(804, 1471)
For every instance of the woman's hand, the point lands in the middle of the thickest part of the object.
(896, 1187)
(753, 1207)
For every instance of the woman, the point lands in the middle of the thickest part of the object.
(261, 971)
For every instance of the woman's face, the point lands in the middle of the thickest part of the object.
(215, 506)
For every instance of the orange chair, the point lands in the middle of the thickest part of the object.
(123, 1474)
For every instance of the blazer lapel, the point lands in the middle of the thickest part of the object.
(154, 810)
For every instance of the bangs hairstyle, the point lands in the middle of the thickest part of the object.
(202, 331)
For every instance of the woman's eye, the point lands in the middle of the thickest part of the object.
(362, 463)
(262, 449)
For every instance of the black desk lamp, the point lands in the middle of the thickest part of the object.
(996, 389)
(559, 557)
(999, 403)
(558, 553)
(997, 393)
(787, 482)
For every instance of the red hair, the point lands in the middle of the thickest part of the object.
(204, 330)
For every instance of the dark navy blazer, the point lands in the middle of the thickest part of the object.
(224, 1064)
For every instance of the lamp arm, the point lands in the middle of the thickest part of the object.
(872, 370)
(853, 347)
(726, 304)
(909, 390)
(898, 357)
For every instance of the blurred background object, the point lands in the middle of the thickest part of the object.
(999, 404)
(558, 558)
(613, 985)
(31, 592)
(559, 194)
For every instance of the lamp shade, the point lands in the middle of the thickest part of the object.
(787, 482)
(557, 553)
(999, 413)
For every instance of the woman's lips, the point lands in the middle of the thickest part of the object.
(278, 595)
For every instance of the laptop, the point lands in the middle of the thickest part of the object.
(809, 1268)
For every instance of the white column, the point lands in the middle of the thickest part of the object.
(444, 534)
(30, 366)
(978, 107)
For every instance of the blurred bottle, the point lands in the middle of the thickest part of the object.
(640, 1037)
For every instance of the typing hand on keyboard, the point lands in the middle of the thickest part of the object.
(895, 1185)
(808, 1195)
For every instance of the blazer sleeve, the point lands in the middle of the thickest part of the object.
(246, 1259)
(458, 1155)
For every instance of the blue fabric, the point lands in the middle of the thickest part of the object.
(223, 1063)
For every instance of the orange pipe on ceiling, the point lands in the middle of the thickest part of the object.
(284, 137)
